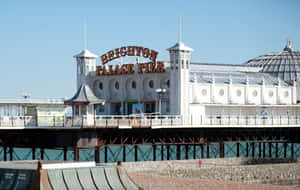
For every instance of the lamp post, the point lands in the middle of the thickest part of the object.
(160, 92)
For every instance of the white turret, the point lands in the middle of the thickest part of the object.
(86, 63)
(179, 79)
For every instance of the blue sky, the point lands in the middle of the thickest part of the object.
(38, 39)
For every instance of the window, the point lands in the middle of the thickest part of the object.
(254, 93)
(286, 94)
(117, 85)
(133, 84)
(168, 83)
(221, 92)
(101, 86)
(151, 84)
(271, 93)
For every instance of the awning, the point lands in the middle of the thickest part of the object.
(148, 100)
(131, 101)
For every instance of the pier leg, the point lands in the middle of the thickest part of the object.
(186, 151)
(11, 150)
(105, 153)
(194, 152)
(259, 149)
(276, 150)
(247, 149)
(270, 150)
(178, 156)
(42, 153)
(221, 149)
(124, 153)
(237, 149)
(253, 149)
(162, 152)
(202, 151)
(292, 150)
(135, 153)
(33, 153)
(154, 152)
(207, 150)
(168, 152)
(65, 153)
(284, 149)
(98, 154)
(76, 154)
(264, 150)
(5, 153)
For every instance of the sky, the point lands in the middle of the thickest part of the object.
(38, 39)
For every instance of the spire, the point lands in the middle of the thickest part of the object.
(84, 34)
(288, 46)
(179, 31)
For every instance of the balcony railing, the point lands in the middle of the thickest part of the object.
(157, 121)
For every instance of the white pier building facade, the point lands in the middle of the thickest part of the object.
(266, 87)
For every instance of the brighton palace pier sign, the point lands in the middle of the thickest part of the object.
(126, 69)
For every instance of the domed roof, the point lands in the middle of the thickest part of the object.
(284, 64)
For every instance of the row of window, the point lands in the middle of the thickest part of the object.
(133, 84)
(239, 93)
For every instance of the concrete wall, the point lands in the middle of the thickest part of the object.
(229, 169)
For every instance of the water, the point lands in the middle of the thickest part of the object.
(145, 152)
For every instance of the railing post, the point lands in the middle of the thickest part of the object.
(280, 119)
(54, 121)
(0, 120)
(201, 120)
(255, 120)
(210, 120)
(12, 121)
(191, 119)
(171, 121)
(63, 121)
(247, 120)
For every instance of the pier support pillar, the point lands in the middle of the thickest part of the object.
(237, 149)
(65, 153)
(253, 149)
(124, 153)
(247, 149)
(292, 150)
(207, 150)
(221, 149)
(5, 153)
(162, 152)
(168, 152)
(105, 153)
(284, 149)
(270, 150)
(76, 154)
(11, 150)
(33, 153)
(186, 151)
(98, 154)
(194, 151)
(202, 151)
(154, 152)
(42, 153)
(264, 150)
(276, 150)
(135, 153)
(178, 156)
(259, 149)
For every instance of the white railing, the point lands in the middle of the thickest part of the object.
(119, 121)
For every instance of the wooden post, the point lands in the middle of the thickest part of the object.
(135, 153)
(237, 149)
(168, 152)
